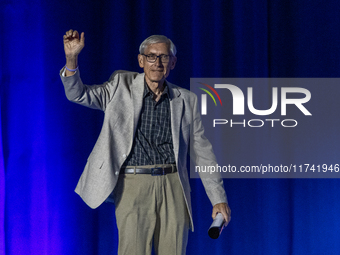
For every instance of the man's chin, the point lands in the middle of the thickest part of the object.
(157, 79)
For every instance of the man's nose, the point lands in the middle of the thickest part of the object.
(159, 62)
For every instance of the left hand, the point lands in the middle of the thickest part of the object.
(224, 209)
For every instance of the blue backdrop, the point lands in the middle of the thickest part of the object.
(45, 140)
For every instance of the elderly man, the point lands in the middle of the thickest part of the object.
(139, 159)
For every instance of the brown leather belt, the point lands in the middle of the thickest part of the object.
(153, 171)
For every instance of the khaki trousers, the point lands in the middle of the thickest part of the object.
(151, 210)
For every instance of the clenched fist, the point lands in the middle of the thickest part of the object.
(73, 44)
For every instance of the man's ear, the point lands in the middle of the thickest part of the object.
(140, 60)
(173, 62)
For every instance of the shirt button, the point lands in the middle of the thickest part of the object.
(124, 155)
(117, 173)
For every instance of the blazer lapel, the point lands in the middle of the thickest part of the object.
(176, 107)
(137, 90)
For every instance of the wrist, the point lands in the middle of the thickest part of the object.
(71, 59)
(71, 63)
(71, 70)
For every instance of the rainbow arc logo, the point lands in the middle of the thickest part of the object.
(204, 97)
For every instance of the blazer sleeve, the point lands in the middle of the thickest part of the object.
(202, 153)
(94, 96)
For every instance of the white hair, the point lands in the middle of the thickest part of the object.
(157, 39)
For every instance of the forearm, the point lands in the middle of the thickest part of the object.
(74, 88)
(215, 190)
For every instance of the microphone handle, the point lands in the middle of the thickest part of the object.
(216, 227)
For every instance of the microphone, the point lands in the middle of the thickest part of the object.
(217, 226)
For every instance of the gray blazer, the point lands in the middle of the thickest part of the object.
(121, 100)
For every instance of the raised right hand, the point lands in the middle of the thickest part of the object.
(73, 44)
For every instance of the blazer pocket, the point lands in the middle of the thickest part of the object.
(96, 164)
(100, 164)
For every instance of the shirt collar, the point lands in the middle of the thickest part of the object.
(148, 91)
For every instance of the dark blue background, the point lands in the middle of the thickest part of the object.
(45, 140)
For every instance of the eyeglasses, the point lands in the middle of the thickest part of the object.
(152, 58)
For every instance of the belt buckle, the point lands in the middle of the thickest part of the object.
(157, 171)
